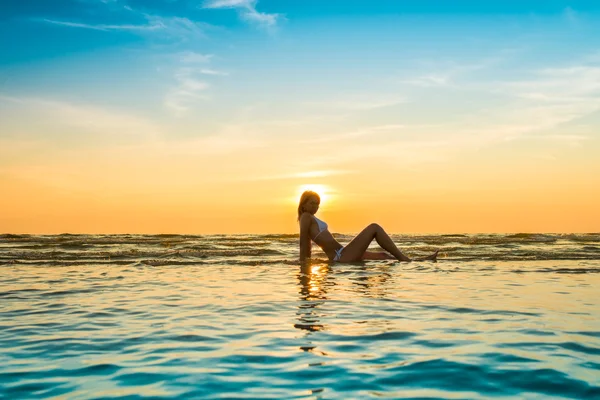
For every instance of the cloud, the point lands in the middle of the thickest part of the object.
(444, 73)
(230, 3)
(106, 27)
(191, 57)
(261, 19)
(179, 28)
(392, 151)
(180, 98)
(301, 175)
(188, 88)
(207, 71)
(557, 83)
(430, 80)
(247, 11)
(369, 133)
(361, 102)
(555, 96)
(570, 140)
(158, 27)
(535, 106)
(85, 120)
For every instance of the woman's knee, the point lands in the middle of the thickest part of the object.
(375, 227)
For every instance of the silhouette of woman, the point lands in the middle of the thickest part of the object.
(315, 230)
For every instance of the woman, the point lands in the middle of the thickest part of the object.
(312, 228)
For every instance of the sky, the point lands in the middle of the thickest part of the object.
(212, 116)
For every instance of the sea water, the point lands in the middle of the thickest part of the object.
(237, 316)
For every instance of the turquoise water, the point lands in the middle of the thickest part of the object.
(130, 316)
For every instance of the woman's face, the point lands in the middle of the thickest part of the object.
(311, 205)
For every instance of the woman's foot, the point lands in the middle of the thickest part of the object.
(432, 257)
(404, 258)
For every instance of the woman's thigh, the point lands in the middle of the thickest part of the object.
(355, 250)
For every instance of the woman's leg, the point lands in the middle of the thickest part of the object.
(377, 255)
(355, 250)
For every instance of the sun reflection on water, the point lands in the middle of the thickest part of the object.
(311, 280)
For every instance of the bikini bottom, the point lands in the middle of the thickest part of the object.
(338, 254)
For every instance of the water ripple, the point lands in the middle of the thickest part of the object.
(213, 317)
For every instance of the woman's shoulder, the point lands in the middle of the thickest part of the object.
(306, 216)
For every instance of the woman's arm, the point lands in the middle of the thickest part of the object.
(305, 221)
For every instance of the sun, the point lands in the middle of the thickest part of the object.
(324, 191)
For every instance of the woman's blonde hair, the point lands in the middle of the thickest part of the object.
(304, 198)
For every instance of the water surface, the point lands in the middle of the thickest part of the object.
(174, 316)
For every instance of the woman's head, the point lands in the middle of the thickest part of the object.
(309, 202)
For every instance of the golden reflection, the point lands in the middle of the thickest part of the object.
(312, 280)
(372, 283)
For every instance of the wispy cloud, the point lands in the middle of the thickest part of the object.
(260, 19)
(554, 96)
(301, 175)
(389, 130)
(106, 27)
(247, 11)
(534, 106)
(162, 28)
(570, 140)
(208, 71)
(192, 57)
(445, 73)
(229, 3)
(189, 88)
(574, 83)
(188, 91)
(430, 80)
(362, 102)
(86, 120)
(179, 28)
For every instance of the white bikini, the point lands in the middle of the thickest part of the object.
(323, 227)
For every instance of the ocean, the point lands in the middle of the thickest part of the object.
(237, 317)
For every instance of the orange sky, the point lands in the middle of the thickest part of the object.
(136, 196)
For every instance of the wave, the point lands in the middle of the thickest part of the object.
(122, 249)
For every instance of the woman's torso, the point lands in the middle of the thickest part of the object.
(323, 238)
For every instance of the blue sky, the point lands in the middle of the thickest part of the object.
(136, 22)
(209, 61)
(402, 89)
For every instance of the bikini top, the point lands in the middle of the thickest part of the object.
(322, 227)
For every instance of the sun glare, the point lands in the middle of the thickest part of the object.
(324, 192)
